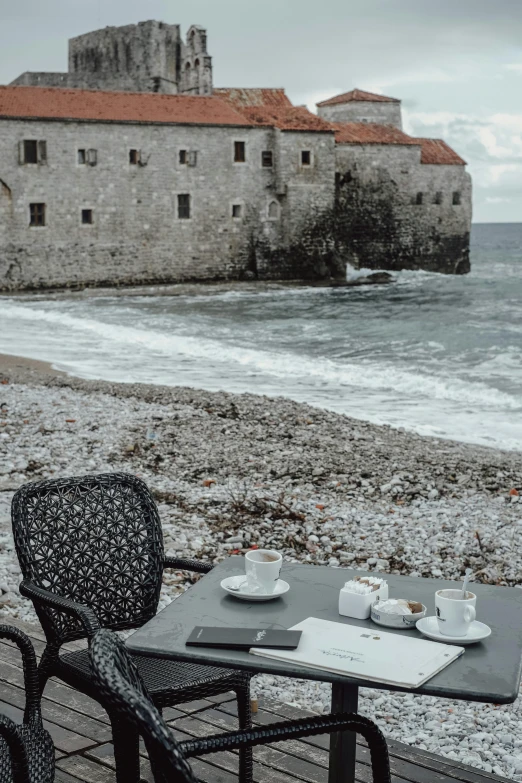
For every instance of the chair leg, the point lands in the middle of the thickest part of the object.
(45, 666)
(126, 742)
(244, 712)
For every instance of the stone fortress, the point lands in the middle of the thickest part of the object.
(133, 168)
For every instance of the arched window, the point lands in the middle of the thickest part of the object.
(187, 67)
(273, 210)
(196, 64)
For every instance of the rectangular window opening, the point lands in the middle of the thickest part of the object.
(87, 217)
(419, 198)
(37, 214)
(456, 198)
(438, 198)
(82, 157)
(183, 157)
(239, 152)
(267, 160)
(91, 157)
(306, 158)
(134, 157)
(184, 206)
(236, 210)
(192, 158)
(30, 151)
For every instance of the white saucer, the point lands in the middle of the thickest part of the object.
(245, 594)
(430, 628)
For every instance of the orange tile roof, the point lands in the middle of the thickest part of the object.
(288, 118)
(369, 133)
(60, 103)
(358, 95)
(253, 96)
(436, 151)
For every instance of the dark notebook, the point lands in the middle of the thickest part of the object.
(243, 638)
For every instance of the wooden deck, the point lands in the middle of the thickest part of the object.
(82, 737)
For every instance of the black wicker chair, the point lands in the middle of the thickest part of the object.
(124, 693)
(26, 750)
(91, 553)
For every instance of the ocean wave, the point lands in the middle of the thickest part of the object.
(108, 339)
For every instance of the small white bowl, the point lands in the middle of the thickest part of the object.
(401, 622)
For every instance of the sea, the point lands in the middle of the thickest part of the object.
(437, 354)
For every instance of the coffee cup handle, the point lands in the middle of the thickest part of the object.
(469, 614)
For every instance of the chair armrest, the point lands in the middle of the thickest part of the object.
(304, 727)
(49, 600)
(9, 731)
(32, 687)
(186, 564)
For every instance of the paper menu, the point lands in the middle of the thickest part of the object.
(355, 651)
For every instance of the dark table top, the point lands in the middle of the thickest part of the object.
(489, 671)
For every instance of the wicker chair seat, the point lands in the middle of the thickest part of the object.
(167, 682)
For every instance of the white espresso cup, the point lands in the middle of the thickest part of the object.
(263, 567)
(454, 613)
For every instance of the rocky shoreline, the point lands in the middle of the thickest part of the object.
(229, 471)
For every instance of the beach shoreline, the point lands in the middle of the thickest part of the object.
(230, 471)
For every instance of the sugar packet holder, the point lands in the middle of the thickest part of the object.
(358, 595)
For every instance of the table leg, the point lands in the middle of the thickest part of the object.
(343, 743)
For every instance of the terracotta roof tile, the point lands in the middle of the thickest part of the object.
(358, 95)
(250, 96)
(59, 103)
(369, 133)
(436, 151)
(287, 118)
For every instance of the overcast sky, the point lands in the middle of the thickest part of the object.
(456, 64)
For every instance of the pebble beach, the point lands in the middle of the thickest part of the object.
(231, 471)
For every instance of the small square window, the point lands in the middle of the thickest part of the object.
(134, 157)
(456, 198)
(30, 151)
(306, 158)
(82, 157)
(37, 214)
(236, 210)
(183, 157)
(267, 159)
(87, 218)
(184, 206)
(239, 152)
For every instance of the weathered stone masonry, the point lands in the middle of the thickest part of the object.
(135, 187)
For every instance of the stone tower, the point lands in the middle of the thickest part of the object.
(146, 57)
(196, 66)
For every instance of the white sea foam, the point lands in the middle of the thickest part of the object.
(364, 375)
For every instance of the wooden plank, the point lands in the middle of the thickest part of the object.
(74, 721)
(86, 770)
(64, 740)
(36, 632)
(58, 692)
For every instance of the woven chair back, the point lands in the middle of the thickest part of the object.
(124, 694)
(96, 540)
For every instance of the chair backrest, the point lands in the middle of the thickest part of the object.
(123, 693)
(96, 540)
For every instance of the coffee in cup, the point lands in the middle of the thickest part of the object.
(263, 567)
(455, 613)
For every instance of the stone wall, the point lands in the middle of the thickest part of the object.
(381, 112)
(396, 213)
(136, 235)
